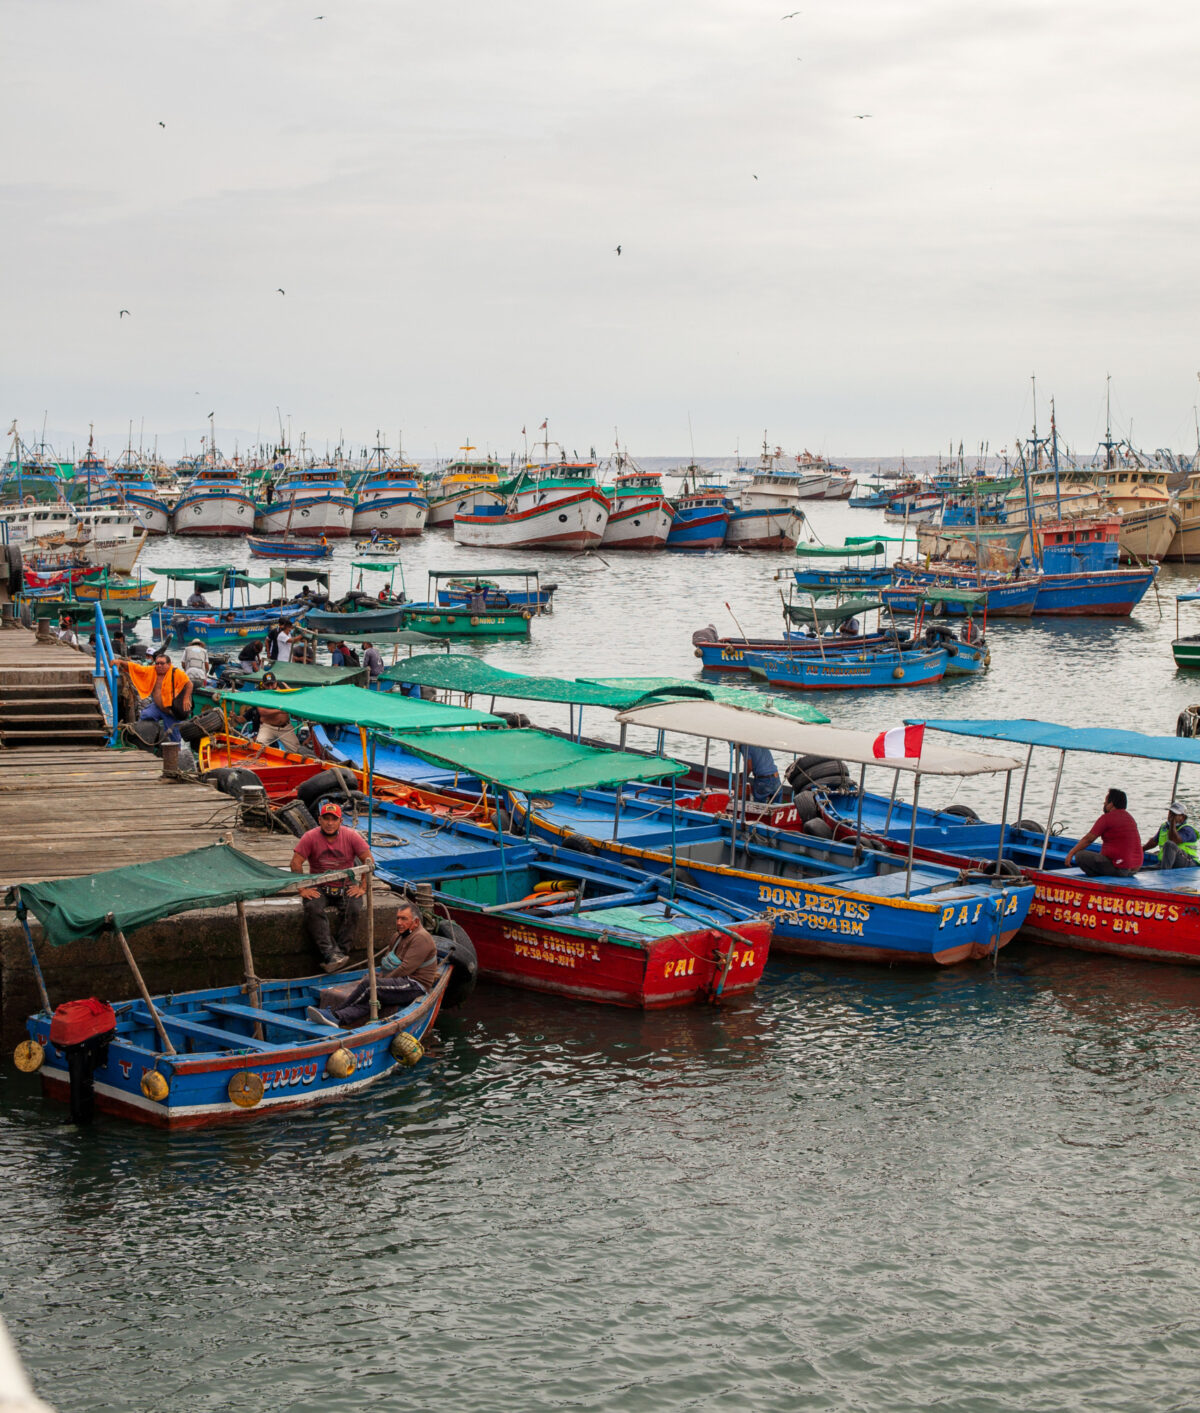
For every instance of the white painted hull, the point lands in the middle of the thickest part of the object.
(310, 517)
(222, 513)
(638, 523)
(574, 523)
(151, 514)
(443, 509)
(390, 514)
(765, 529)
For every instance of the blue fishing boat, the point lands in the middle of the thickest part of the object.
(700, 517)
(389, 498)
(1081, 575)
(833, 671)
(852, 573)
(452, 586)
(824, 898)
(311, 502)
(1006, 597)
(208, 1056)
(286, 547)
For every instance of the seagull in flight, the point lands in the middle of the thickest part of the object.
(862, 115)
(123, 313)
(161, 123)
(793, 15)
(282, 291)
(754, 175)
(618, 250)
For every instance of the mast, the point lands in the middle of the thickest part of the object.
(1054, 455)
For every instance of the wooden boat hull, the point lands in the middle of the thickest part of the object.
(294, 1076)
(310, 517)
(638, 523)
(213, 513)
(680, 970)
(445, 622)
(391, 513)
(371, 620)
(288, 549)
(1129, 917)
(730, 654)
(698, 530)
(1012, 598)
(769, 528)
(1101, 593)
(567, 522)
(850, 670)
(1186, 652)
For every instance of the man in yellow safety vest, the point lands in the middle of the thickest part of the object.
(1177, 842)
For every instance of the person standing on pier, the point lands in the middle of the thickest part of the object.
(331, 846)
(166, 691)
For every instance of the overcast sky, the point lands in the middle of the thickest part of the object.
(440, 189)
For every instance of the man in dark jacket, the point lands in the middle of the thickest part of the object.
(406, 974)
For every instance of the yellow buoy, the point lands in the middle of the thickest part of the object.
(246, 1089)
(406, 1048)
(28, 1056)
(154, 1086)
(342, 1063)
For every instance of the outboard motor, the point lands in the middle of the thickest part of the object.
(82, 1031)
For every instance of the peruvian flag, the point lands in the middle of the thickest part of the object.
(901, 742)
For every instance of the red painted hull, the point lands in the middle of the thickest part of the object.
(1088, 914)
(680, 970)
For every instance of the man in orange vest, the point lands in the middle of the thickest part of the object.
(166, 690)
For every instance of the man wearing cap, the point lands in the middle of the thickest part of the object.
(405, 975)
(331, 846)
(1177, 842)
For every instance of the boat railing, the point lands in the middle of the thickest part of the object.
(104, 675)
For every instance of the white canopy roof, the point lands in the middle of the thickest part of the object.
(718, 721)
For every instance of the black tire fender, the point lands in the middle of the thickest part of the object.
(455, 946)
(1030, 826)
(818, 829)
(963, 812)
(806, 806)
(338, 780)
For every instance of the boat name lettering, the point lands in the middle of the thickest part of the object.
(289, 1076)
(1107, 903)
(680, 966)
(813, 902)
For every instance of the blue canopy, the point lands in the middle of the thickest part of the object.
(1102, 740)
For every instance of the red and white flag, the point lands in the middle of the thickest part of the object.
(900, 743)
(542, 428)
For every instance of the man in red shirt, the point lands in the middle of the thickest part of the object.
(1121, 847)
(330, 846)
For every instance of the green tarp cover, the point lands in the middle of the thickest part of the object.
(460, 672)
(74, 908)
(719, 692)
(838, 613)
(935, 594)
(215, 577)
(874, 539)
(377, 568)
(306, 674)
(869, 547)
(358, 706)
(535, 762)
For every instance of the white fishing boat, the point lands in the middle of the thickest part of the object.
(639, 513)
(764, 511)
(462, 487)
(389, 498)
(313, 501)
(559, 506)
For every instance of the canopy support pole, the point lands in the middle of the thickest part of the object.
(253, 989)
(674, 853)
(892, 801)
(912, 833)
(862, 781)
(617, 815)
(1062, 756)
(141, 986)
(500, 837)
(23, 917)
(1175, 782)
(624, 729)
(368, 756)
(372, 990)
(1003, 821)
(704, 777)
(1024, 782)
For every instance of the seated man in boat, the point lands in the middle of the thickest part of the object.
(166, 690)
(331, 845)
(274, 726)
(1177, 842)
(405, 975)
(195, 662)
(197, 600)
(385, 594)
(849, 628)
(764, 773)
(1121, 848)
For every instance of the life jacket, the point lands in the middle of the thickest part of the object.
(1191, 849)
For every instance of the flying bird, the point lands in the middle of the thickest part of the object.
(123, 313)
(862, 115)
(282, 291)
(792, 15)
(618, 250)
(754, 175)
(161, 123)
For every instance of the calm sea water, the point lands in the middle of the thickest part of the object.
(861, 1189)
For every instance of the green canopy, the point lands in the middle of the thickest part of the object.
(935, 593)
(460, 672)
(306, 674)
(838, 613)
(875, 539)
(847, 551)
(410, 636)
(535, 762)
(74, 908)
(358, 706)
(663, 687)
(371, 564)
(214, 577)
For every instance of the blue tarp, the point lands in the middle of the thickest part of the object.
(1101, 740)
